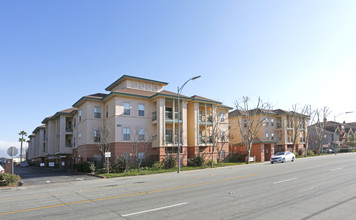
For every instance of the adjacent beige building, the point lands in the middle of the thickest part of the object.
(277, 133)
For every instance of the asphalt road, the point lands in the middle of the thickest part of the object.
(38, 176)
(309, 188)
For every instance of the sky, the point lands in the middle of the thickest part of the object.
(286, 52)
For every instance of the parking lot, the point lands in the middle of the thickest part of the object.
(37, 176)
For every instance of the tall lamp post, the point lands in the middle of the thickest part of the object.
(341, 114)
(179, 91)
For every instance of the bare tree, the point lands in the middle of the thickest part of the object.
(218, 136)
(101, 138)
(299, 118)
(250, 121)
(321, 115)
(311, 120)
(140, 144)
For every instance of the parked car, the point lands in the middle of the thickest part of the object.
(2, 170)
(282, 157)
(24, 164)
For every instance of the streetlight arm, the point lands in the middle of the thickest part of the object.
(181, 88)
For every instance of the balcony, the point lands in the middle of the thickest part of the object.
(169, 117)
(205, 140)
(205, 119)
(173, 139)
(154, 116)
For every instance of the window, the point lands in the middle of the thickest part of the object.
(272, 136)
(223, 136)
(97, 112)
(127, 156)
(222, 119)
(96, 136)
(126, 108)
(74, 142)
(107, 111)
(141, 134)
(127, 134)
(141, 155)
(266, 121)
(267, 136)
(141, 110)
(74, 122)
(245, 123)
(80, 115)
(222, 154)
(272, 122)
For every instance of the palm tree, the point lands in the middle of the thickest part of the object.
(22, 139)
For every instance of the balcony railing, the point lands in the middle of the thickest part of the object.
(205, 119)
(205, 139)
(154, 116)
(173, 139)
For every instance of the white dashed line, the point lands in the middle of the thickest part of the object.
(282, 181)
(336, 169)
(152, 210)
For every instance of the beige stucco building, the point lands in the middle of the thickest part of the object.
(276, 134)
(134, 109)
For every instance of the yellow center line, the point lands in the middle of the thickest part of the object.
(127, 195)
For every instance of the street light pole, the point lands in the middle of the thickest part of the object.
(341, 114)
(179, 90)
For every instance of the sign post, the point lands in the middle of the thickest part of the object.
(12, 151)
(107, 155)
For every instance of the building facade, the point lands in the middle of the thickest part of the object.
(277, 133)
(134, 111)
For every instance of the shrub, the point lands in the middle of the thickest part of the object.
(208, 163)
(169, 162)
(300, 152)
(7, 179)
(79, 167)
(296, 154)
(237, 158)
(316, 151)
(158, 166)
(196, 161)
(310, 153)
(122, 165)
(344, 150)
(88, 167)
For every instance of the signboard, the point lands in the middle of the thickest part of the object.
(51, 164)
(42, 164)
(63, 163)
(12, 151)
(107, 154)
(251, 159)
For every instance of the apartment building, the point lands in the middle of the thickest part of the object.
(276, 134)
(135, 110)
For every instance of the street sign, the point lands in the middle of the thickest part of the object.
(12, 151)
(107, 154)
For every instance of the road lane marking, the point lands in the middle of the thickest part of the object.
(282, 181)
(132, 194)
(336, 169)
(156, 209)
